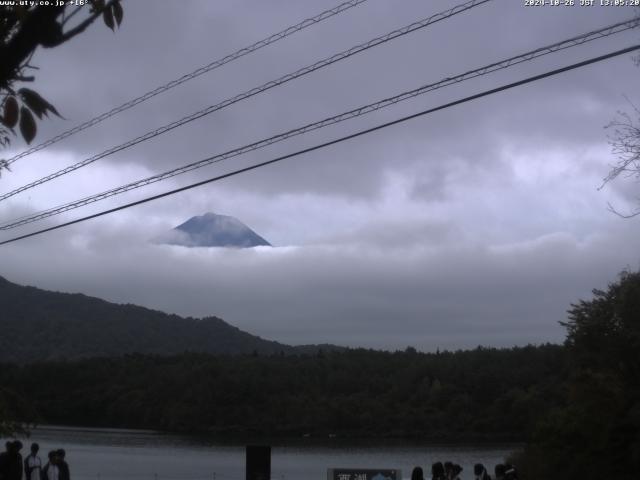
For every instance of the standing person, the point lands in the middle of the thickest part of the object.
(33, 464)
(510, 472)
(11, 461)
(63, 466)
(448, 470)
(500, 472)
(417, 474)
(455, 472)
(480, 472)
(437, 471)
(50, 470)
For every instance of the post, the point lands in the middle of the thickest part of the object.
(258, 462)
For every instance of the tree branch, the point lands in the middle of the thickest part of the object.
(81, 27)
(40, 27)
(35, 28)
(71, 15)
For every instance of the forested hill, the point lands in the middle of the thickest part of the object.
(476, 395)
(39, 325)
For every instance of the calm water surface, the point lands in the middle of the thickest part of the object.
(103, 454)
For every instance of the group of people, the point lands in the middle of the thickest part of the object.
(13, 467)
(452, 471)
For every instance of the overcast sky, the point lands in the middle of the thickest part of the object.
(479, 224)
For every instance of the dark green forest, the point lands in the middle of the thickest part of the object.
(594, 433)
(484, 394)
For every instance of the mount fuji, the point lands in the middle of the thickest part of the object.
(213, 230)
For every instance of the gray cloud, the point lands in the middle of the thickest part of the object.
(364, 293)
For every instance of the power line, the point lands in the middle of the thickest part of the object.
(196, 73)
(254, 91)
(509, 62)
(332, 142)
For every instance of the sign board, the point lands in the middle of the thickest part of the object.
(363, 474)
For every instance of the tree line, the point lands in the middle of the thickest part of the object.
(477, 395)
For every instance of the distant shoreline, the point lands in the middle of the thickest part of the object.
(71, 428)
(297, 441)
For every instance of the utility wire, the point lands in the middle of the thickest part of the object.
(509, 62)
(189, 76)
(332, 142)
(254, 91)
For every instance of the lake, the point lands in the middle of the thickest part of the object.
(109, 454)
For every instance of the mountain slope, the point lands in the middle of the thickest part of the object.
(38, 325)
(212, 230)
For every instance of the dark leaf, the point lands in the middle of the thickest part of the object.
(96, 5)
(10, 117)
(117, 12)
(27, 124)
(36, 103)
(107, 16)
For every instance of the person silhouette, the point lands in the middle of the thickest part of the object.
(417, 474)
(480, 472)
(33, 464)
(437, 471)
(63, 466)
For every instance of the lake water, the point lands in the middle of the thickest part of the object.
(104, 454)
